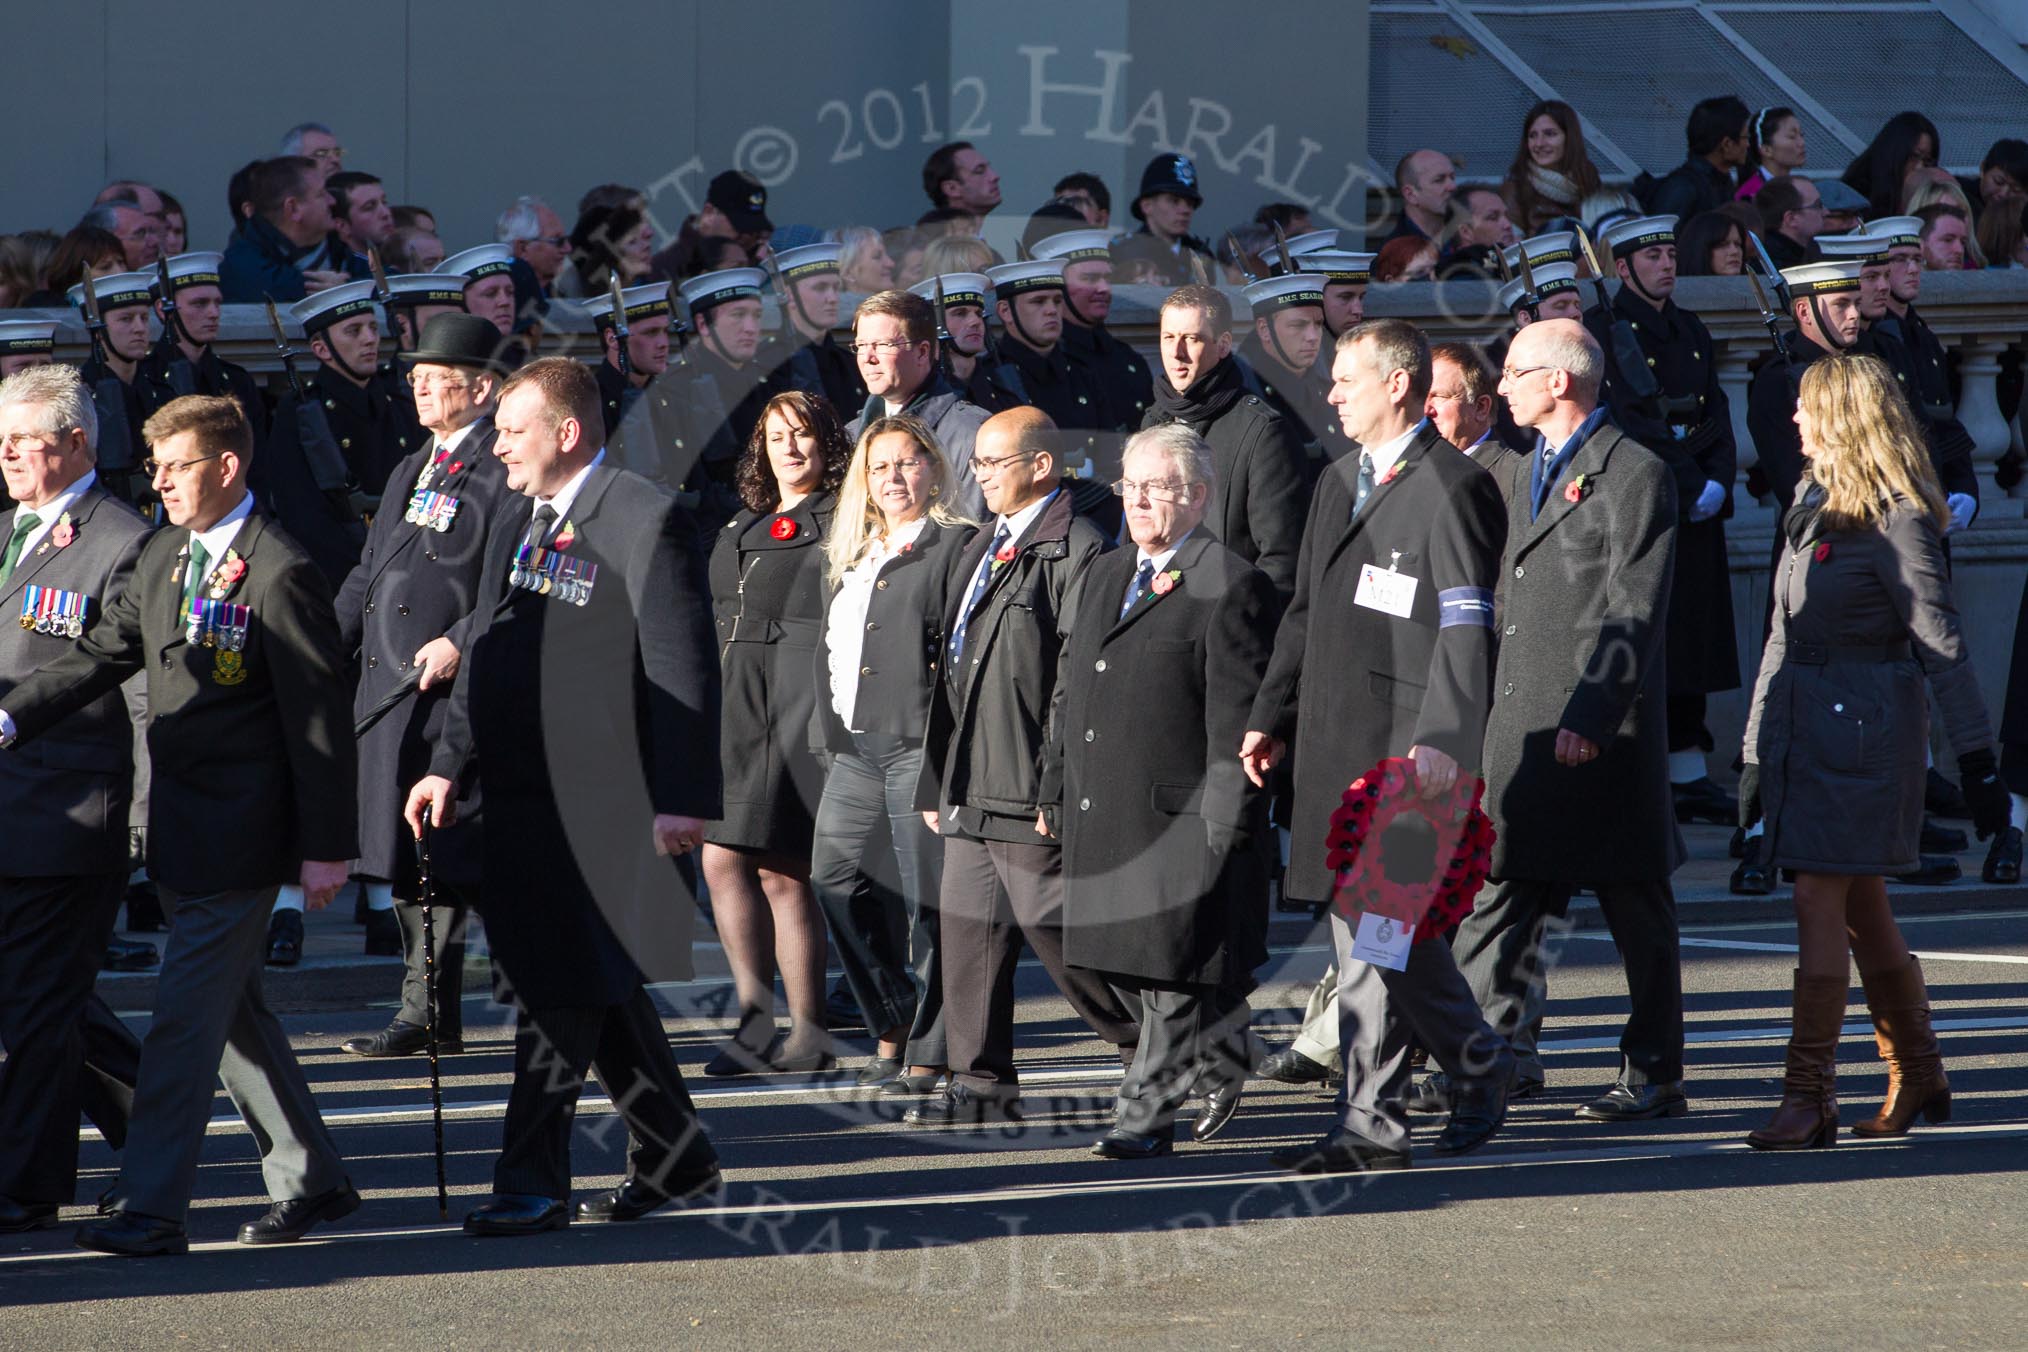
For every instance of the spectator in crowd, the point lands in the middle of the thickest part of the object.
(905, 245)
(2000, 235)
(1717, 138)
(85, 252)
(608, 240)
(275, 254)
(24, 259)
(415, 218)
(735, 208)
(2002, 174)
(938, 222)
(239, 195)
(957, 176)
(1405, 259)
(1950, 195)
(1425, 179)
(865, 266)
(412, 249)
(1905, 143)
(533, 230)
(175, 227)
(1088, 193)
(958, 255)
(360, 216)
(140, 235)
(314, 141)
(1945, 233)
(1712, 244)
(1844, 207)
(1292, 217)
(767, 596)
(1791, 218)
(1479, 229)
(887, 578)
(1774, 147)
(1551, 175)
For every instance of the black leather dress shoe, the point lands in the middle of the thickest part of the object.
(634, 1198)
(879, 1071)
(399, 1039)
(2003, 858)
(132, 1235)
(1220, 1103)
(1622, 1104)
(1132, 1145)
(1432, 1093)
(1752, 877)
(1290, 1066)
(1342, 1152)
(1940, 839)
(912, 1086)
(129, 955)
(285, 939)
(383, 935)
(517, 1214)
(1701, 800)
(1932, 870)
(18, 1218)
(287, 1222)
(1478, 1111)
(961, 1105)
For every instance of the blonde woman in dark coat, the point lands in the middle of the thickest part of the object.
(1835, 741)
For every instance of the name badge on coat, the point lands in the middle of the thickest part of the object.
(1385, 590)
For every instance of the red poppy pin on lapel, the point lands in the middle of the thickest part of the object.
(1822, 553)
(63, 533)
(1163, 583)
(1575, 491)
(783, 529)
(567, 537)
(1392, 471)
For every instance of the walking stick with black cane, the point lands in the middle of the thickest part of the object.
(422, 851)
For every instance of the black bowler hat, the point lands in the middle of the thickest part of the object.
(1168, 173)
(460, 340)
(743, 200)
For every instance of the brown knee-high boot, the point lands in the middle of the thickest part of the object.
(1916, 1086)
(1808, 1115)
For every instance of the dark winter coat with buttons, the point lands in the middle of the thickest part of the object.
(1584, 594)
(414, 584)
(1164, 841)
(1840, 717)
(1688, 423)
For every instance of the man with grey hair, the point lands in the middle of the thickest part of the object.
(535, 233)
(140, 234)
(1577, 775)
(314, 141)
(69, 548)
(1165, 887)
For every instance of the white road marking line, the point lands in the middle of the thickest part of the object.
(1749, 946)
(1117, 1186)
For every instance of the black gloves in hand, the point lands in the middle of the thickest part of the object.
(1979, 777)
(1225, 839)
(1749, 796)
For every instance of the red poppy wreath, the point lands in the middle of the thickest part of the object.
(1439, 898)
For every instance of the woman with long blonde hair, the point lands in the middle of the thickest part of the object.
(1864, 623)
(887, 573)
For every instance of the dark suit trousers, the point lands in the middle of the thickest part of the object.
(1384, 1015)
(52, 938)
(112, 1067)
(626, 1046)
(995, 894)
(1190, 1036)
(1506, 947)
(448, 924)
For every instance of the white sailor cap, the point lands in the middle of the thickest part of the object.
(408, 290)
(1271, 295)
(332, 305)
(22, 337)
(641, 302)
(1338, 265)
(1550, 279)
(473, 264)
(806, 260)
(1901, 231)
(1074, 246)
(1636, 233)
(960, 288)
(115, 291)
(1012, 279)
(1307, 243)
(189, 269)
(1558, 246)
(711, 289)
(1870, 248)
(1825, 278)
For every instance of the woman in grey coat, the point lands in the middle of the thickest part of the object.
(1835, 740)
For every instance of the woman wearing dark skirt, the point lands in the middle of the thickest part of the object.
(888, 580)
(767, 595)
(1835, 741)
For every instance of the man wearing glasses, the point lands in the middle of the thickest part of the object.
(253, 786)
(894, 338)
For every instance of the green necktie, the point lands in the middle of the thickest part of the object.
(193, 580)
(25, 524)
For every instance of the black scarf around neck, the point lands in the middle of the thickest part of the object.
(1209, 397)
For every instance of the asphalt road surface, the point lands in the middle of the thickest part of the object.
(843, 1229)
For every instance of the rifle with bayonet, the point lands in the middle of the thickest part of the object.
(1768, 315)
(944, 340)
(182, 376)
(621, 329)
(679, 329)
(1288, 260)
(1239, 257)
(383, 297)
(328, 469)
(116, 461)
(1628, 354)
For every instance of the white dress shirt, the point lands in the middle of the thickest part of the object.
(49, 513)
(845, 636)
(221, 535)
(565, 496)
(1387, 452)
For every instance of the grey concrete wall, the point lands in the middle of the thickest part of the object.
(461, 105)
